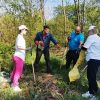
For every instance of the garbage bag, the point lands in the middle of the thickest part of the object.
(98, 83)
(74, 74)
(80, 59)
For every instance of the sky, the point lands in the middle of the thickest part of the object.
(49, 7)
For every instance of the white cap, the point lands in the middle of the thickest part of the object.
(91, 27)
(21, 27)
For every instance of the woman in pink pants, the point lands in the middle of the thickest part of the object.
(19, 58)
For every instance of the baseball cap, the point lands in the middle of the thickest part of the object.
(91, 27)
(21, 27)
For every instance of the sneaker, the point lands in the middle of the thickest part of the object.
(17, 89)
(87, 95)
(93, 98)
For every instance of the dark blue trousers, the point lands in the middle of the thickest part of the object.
(92, 69)
(46, 57)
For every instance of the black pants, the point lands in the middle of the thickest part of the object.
(47, 59)
(72, 55)
(92, 69)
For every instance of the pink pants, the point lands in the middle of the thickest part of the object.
(17, 70)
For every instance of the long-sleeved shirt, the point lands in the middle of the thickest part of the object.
(46, 39)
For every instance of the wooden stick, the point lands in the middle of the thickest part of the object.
(33, 68)
(33, 72)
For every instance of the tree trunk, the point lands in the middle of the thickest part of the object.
(42, 11)
(64, 13)
(75, 3)
(78, 13)
(83, 16)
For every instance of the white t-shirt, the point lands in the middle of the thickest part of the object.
(20, 42)
(93, 47)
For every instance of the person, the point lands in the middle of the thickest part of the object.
(19, 58)
(92, 45)
(75, 41)
(42, 41)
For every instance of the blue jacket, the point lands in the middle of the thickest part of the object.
(49, 37)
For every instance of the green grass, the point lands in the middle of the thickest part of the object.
(32, 91)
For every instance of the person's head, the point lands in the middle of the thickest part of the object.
(92, 30)
(78, 29)
(46, 29)
(23, 29)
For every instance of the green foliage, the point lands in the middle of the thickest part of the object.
(26, 12)
(5, 56)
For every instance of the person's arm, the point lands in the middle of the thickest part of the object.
(81, 41)
(21, 46)
(86, 45)
(70, 36)
(25, 49)
(53, 39)
(36, 40)
(69, 39)
(80, 45)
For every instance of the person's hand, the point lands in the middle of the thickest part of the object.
(69, 38)
(58, 46)
(37, 43)
(41, 43)
(29, 49)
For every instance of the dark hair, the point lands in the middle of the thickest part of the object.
(44, 27)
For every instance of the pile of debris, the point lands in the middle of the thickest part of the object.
(4, 80)
(50, 83)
